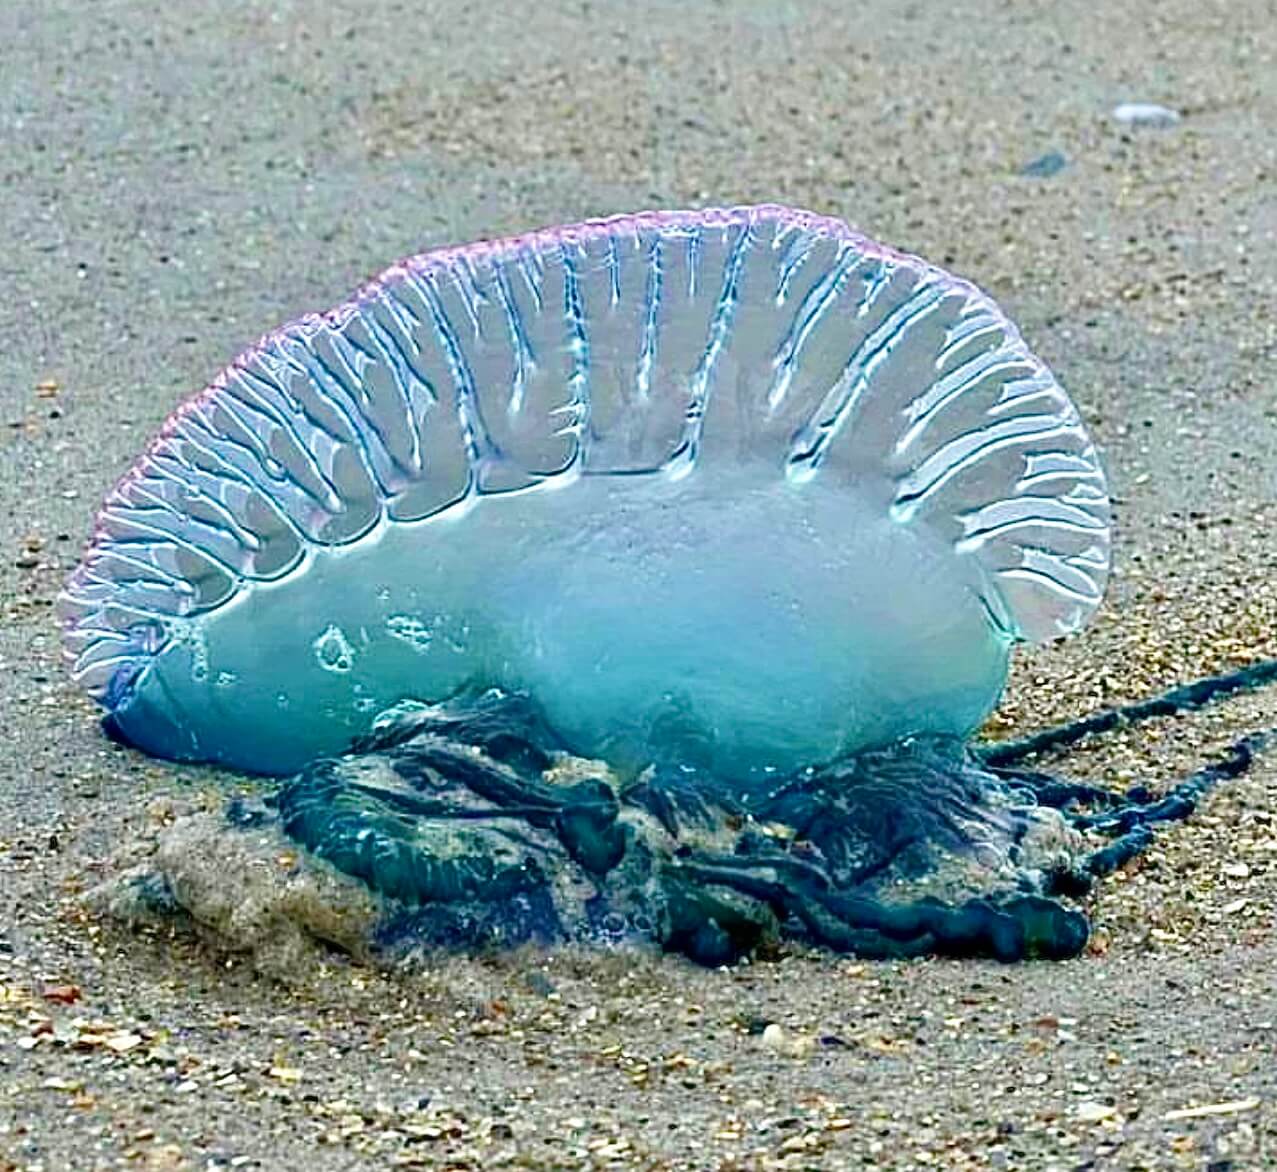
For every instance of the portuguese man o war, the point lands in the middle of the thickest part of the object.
(643, 579)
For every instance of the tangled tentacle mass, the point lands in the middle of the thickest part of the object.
(481, 832)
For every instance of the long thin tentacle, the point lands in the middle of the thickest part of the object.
(1186, 698)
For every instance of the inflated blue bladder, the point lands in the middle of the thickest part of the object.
(740, 478)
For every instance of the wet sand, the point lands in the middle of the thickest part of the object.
(177, 179)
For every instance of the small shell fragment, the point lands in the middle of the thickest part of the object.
(1145, 114)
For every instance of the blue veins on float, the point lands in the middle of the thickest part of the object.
(645, 579)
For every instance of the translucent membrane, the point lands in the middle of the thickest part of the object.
(740, 479)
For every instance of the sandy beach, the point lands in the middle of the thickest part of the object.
(179, 178)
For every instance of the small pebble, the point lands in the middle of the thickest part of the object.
(780, 1040)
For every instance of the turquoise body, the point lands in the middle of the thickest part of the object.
(753, 623)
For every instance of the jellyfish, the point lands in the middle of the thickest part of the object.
(645, 578)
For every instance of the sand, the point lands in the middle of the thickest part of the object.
(178, 178)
